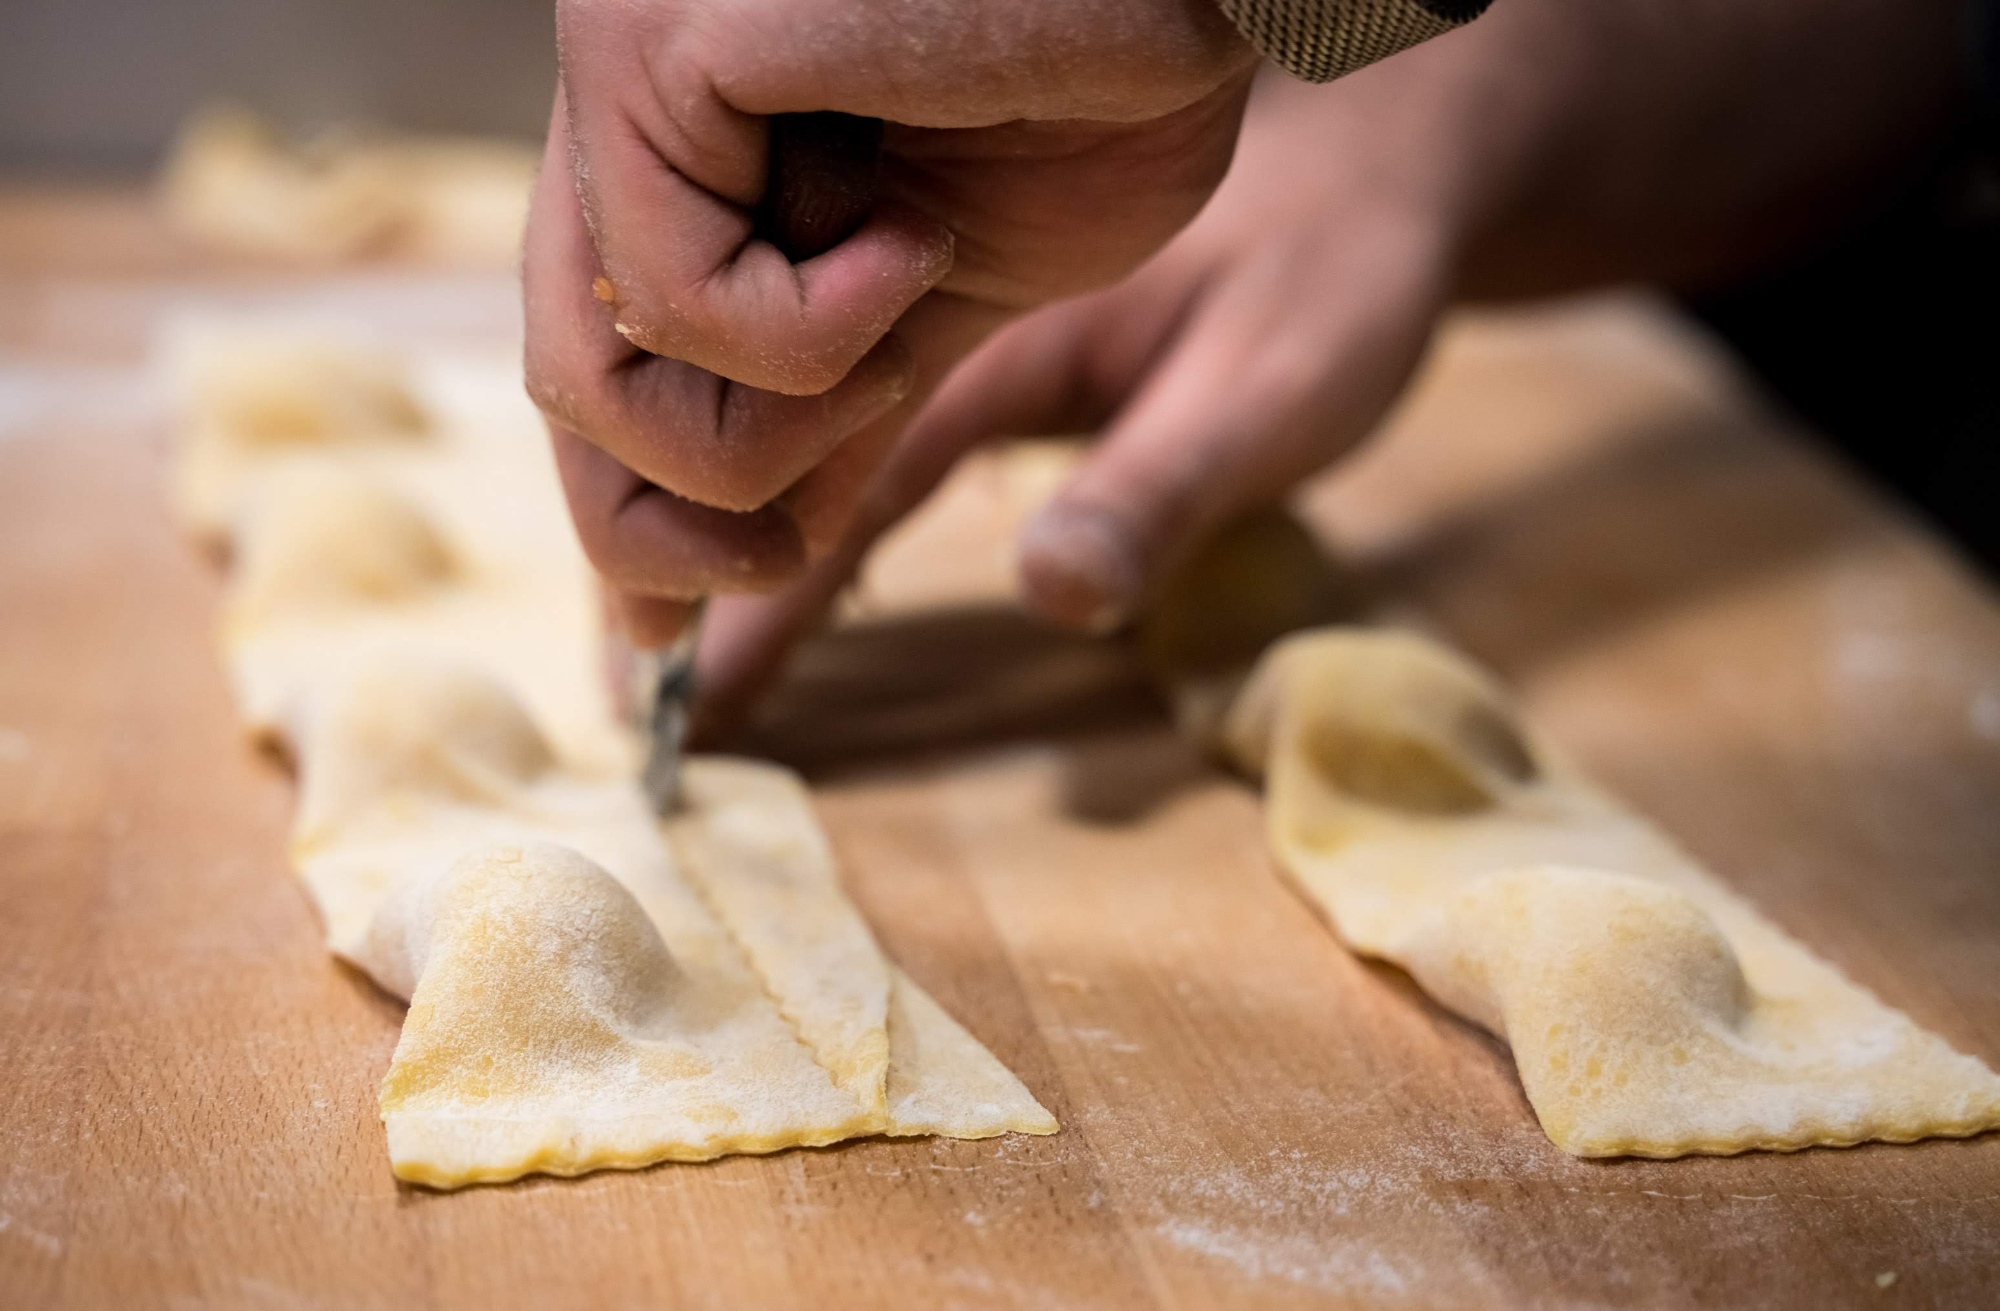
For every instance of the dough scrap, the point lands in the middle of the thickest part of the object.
(750, 845)
(763, 865)
(942, 1081)
(1651, 1011)
(411, 619)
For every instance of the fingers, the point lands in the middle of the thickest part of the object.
(1224, 382)
(746, 639)
(656, 550)
(649, 623)
(647, 542)
(708, 439)
(669, 174)
(1264, 383)
(1053, 371)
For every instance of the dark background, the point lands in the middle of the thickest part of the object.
(1887, 337)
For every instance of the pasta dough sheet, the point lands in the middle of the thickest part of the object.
(589, 987)
(1650, 1010)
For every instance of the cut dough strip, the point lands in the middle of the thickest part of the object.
(589, 988)
(759, 860)
(1651, 1011)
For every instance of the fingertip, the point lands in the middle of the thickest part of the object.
(926, 246)
(644, 541)
(1080, 567)
(885, 376)
(668, 547)
(796, 438)
(853, 296)
(650, 623)
(824, 502)
(745, 641)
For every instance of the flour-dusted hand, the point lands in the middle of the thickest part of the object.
(717, 409)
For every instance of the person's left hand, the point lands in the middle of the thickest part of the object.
(1255, 348)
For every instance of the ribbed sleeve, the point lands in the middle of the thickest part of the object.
(1319, 40)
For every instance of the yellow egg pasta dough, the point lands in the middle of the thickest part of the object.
(1651, 1011)
(409, 617)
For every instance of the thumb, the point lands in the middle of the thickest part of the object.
(1262, 386)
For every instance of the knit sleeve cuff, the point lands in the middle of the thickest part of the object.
(1319, 40)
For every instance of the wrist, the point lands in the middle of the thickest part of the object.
(1459, 135)
(1435, 142)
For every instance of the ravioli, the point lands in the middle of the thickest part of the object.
(1651, 1011)
(589, 987)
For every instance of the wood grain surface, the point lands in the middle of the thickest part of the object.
(1795, 680)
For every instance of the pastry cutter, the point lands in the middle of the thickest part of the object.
(820, 189)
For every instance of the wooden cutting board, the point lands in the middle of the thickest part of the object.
(1795, 680)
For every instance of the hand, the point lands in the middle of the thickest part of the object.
(1259, 345)
(1553, 144)
(718, 411)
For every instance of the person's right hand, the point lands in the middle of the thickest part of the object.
(716, 410)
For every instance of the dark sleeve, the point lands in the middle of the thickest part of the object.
(1319, 40)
